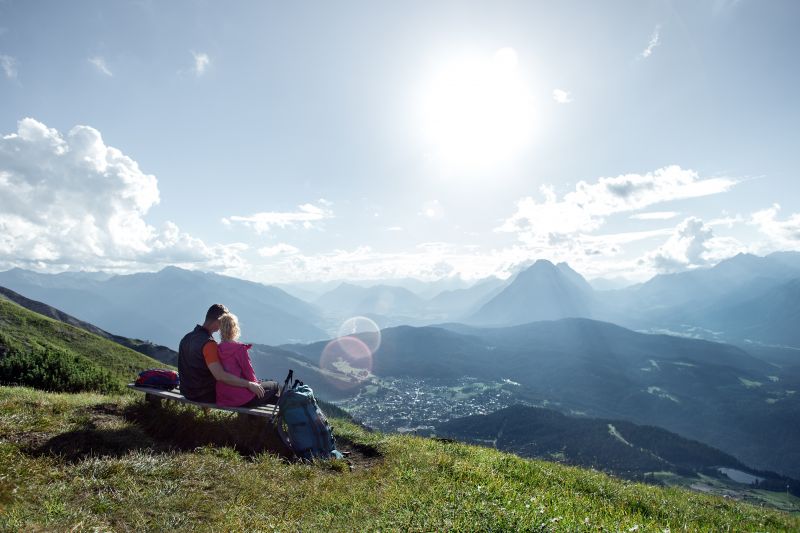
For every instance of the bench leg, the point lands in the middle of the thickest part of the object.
(152, 400)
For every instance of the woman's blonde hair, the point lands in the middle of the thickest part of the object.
(229, 327)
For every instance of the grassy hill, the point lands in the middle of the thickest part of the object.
(160, 353)
(87, 461)
(39, 351)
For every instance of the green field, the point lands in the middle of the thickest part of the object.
(88, 461)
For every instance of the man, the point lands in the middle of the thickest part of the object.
(198, 362)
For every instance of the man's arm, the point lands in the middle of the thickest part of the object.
(211, 356)
(220, 375)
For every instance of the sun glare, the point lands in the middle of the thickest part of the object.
(477, 111)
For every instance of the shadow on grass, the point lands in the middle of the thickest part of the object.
(101, 433)
(186, 428)
(113, 431)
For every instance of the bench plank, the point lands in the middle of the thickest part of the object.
(267, 411)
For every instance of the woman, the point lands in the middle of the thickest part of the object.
(235, 359)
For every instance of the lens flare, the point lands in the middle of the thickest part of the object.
(347, 362)
(364, 329)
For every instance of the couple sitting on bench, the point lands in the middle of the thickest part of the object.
(221, 373)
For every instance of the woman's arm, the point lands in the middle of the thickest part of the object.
(220, 374)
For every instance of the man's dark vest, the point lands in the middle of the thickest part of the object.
(197, 382)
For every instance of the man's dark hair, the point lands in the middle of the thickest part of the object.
(215, 311)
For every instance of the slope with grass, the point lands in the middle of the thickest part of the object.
(39, 351)
(86, 461)
(158, 352)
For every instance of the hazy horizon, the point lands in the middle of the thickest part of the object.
(613, 282)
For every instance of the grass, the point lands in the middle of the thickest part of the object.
(86, 461)
(24, 331)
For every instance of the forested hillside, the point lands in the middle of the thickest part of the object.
(44, 353)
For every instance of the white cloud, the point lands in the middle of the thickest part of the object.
(100, 64)
(306, 215)
(428, 261)
(9, 66)
(686, 247)
(561, 96)
(201, 63)
(278, 249)
(692, 244)
(72, 201)
(655, 40)
(655, 215)
(585, 209)
(394, 228)
(781, 234)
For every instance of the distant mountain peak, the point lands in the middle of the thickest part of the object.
(172, 269)
(543, 291)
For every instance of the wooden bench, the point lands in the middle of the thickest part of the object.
(154, 396)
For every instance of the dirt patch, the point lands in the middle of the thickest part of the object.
(359, 456)
(30, 440)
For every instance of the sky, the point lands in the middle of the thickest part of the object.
(300, 141)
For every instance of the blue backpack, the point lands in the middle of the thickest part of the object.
(309, 433)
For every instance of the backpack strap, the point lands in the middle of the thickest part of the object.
(288, 380)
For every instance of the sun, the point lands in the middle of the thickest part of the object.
(477, 112)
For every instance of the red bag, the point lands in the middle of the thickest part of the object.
(158, 378)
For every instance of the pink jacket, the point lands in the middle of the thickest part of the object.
(235, 360)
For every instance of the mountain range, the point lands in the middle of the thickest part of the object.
(711, 392)
(163, 306)
(157, 352)
(743, 298)
(618, 447)
(748, 300)
(380, 301)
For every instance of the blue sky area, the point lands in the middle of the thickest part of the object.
(287, 141)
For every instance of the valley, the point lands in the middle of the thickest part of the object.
(418, 405)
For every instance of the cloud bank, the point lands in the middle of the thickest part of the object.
(306, 215)
(585, 209)
(71, 200)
